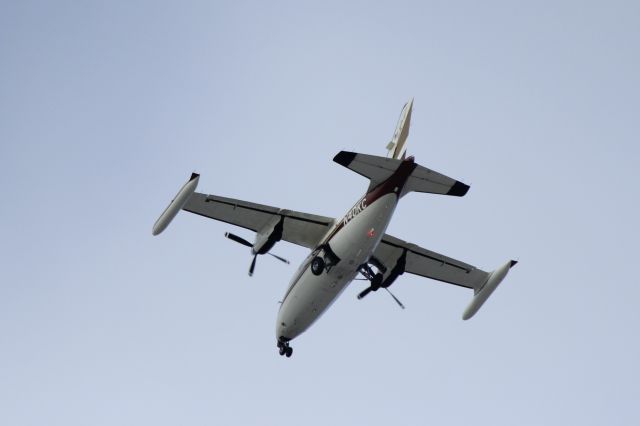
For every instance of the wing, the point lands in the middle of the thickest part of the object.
(303, 229)
(397, 257)
(426, 263)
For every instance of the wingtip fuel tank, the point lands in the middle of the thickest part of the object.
(485, 291)
(176, 204)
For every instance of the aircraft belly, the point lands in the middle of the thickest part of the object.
(361, 235)
(309, 299)
(312, 295)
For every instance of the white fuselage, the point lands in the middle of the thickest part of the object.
(358, 234)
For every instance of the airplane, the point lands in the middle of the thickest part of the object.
(343, 248)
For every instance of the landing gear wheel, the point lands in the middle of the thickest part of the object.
(317, 265)
(283, 347)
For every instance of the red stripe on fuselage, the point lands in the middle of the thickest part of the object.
(393, 184)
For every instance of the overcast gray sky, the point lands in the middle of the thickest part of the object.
(107, 107)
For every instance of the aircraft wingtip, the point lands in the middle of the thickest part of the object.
(344, 158)
(458, 189)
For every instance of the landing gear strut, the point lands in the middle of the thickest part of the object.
(284, 348)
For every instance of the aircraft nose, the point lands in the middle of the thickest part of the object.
(282, 329)
(289, 323)
(285, 324)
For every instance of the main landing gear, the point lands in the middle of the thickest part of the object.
(324, 259)
(317, 265)
(284, 348)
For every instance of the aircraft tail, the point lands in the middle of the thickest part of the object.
(396, 146)
(379, 169)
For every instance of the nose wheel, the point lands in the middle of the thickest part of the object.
(284, 349)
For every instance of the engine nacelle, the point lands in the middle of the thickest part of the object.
(269, 235)
(396, 271)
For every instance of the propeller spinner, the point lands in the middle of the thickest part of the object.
(255, 253)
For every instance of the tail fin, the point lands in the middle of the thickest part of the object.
(396, 147)
(378, 169)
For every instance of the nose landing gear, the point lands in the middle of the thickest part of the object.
(284, 348)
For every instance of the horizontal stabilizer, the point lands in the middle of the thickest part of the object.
(426, 180)
(378, 169)
(483, 293)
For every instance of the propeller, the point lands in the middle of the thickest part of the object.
(244, 242)
(394, 298)
(237, 239)
(253, 265)
(369, 289)
(281, 259)
(364, 292)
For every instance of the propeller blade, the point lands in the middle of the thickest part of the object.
(253, 265)
(364, 292)
(395, 298)
(237, 239)
(282, 259)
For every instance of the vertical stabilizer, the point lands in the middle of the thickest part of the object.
(397, 145)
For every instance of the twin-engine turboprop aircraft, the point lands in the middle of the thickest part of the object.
(345, 247)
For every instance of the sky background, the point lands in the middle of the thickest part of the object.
(107, 107)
